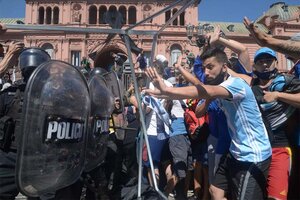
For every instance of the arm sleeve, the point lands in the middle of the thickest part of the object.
(236, 87)
(239, 68)
(198, 70)
(297, 70)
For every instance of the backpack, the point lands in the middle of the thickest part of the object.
(10, 123)
(198, 129)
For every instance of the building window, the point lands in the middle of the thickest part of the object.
(175, 22)
(112, 18)
(230, 28)
(76, 58)
(93, 15)
(48, 15)
(102, 13)
(175, 52)
(132, 15)
(168, 15)
(123, 12)
(182, 19)
(41, 15)
(56, 15)
(49, 49)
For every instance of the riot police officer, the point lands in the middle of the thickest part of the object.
(11, 100)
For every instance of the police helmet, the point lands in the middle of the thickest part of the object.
(30, 58)
(98, 70)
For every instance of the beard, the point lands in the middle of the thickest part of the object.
(218, 80)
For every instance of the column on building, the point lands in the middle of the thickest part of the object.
(29, 10)
(61, 6)
(84, 47)
(68, 10)
(35, 13)
(66, 50)
(52, 16)
(59, 52)
(84, 13)
(45, 15)
(97, 14)
(139, 16)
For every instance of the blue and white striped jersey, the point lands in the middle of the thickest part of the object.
(249, 137)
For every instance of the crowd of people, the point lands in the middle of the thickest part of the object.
(224, 128)
(252, 115)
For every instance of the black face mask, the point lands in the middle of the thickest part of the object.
(218, 80)
(26, 73)
(266, 75)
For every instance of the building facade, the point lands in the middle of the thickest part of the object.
(280, 20)
(104, 14)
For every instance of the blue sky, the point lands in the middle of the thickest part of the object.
(235, 10)
(209, 10)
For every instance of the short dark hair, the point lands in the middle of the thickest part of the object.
(218, 53)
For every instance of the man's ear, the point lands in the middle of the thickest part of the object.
(225, 67)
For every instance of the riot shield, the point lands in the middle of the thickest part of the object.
(102, 105)
(113, 84)
(53, 139)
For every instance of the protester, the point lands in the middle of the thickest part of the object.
(198, 130)
(180, 149)
(141, 61)
(157, 123)
(250, 150)
(85, 63)
(278, 96)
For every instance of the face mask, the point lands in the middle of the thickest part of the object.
(218, 80)
(266, 75)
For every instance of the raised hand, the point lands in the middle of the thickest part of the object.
(11, 57)
(180, 61)
(155, 78)
(258, 35)
(15, 47)
(157, 81)
(214, 36)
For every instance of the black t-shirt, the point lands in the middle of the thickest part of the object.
(277, 114)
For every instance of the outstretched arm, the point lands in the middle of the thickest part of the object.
(291, 48)
(190, 92)
(235, 46)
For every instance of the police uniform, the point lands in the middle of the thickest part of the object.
(8, 151)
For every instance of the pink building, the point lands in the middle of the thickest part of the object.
(282, 20)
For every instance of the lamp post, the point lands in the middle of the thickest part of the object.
(190, 31)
